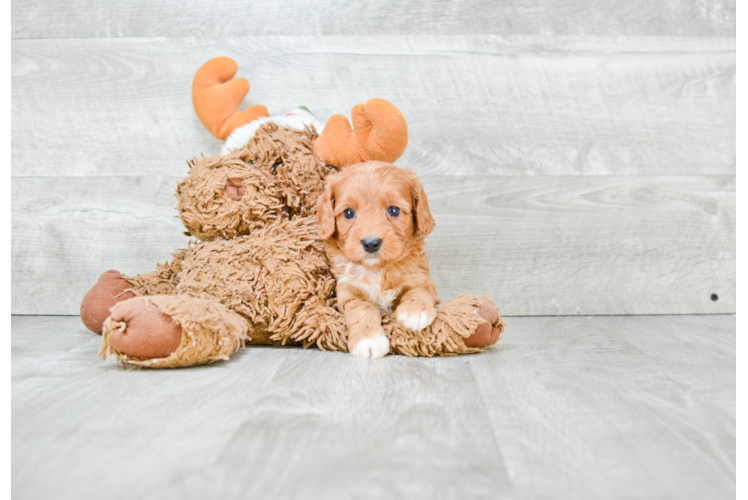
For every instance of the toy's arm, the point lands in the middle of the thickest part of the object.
(216, 98)
(379, 132)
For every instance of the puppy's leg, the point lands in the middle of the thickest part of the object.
(416, 310)
(366, 337)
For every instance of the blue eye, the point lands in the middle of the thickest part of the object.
(393, 211)
(349, 213)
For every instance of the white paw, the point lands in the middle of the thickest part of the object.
(417, 321)
(372, 347)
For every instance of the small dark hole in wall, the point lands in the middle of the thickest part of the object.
(715, 297)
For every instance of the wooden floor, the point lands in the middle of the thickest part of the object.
(563, 407)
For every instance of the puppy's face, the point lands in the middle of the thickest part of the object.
(374, 211)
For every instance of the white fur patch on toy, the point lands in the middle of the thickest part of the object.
(296, 119)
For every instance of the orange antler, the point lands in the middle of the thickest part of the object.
(216, 98)
(379, 132)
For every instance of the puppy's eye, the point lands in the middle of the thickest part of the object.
(349, 213)
(393, 211)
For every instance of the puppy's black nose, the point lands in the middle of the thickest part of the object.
(371, 243)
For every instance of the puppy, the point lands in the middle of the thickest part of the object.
(373, 218)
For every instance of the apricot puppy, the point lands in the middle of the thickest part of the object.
(373, 218)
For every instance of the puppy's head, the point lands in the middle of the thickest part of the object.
(374, 212)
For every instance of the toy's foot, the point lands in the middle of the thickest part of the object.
(486, 334)
(108, 290)
(169, 331)
(144, 331)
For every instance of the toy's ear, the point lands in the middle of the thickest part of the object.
(216, 98)
(422, 217)
(326, 209)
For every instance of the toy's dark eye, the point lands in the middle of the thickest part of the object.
(393, 211)
(349, 213)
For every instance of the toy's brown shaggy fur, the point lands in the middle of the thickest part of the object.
(258, 272)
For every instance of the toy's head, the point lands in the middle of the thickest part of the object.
(224, 197)
(275, 175)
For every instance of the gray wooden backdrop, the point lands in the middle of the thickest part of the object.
(579, 156)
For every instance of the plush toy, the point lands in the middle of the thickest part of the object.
(257, 272)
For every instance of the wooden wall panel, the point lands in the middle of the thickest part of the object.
(587, 244)
(474, 104)
(740, 243)
(66, 231)
(173, 18)
(618, 151)
(538, 245)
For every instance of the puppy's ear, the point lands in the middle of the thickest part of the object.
(421, 214)
(326, 209)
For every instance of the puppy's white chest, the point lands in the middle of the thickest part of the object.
(368, 281)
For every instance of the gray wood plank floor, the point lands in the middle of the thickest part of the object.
(574, 407)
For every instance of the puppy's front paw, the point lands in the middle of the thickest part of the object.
(415, 315)
(372, 347)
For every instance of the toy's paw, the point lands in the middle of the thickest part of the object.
(415, 315)
(144, 331)
(487, 333)
(372, 347)
(108, 290)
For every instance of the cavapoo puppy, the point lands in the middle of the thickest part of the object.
(373, 218)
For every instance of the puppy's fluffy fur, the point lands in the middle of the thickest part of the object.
(377, 200)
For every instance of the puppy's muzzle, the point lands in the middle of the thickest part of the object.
(371, 244)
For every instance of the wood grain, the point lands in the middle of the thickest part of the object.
(740, 243)
(69, 230)
(740, 154)
(570, 397)
(474, 104)
(587, 245)
(538, 245)
(172, 18)
(591, 407)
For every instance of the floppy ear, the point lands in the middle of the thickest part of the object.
(326, 210)
(421, 214)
